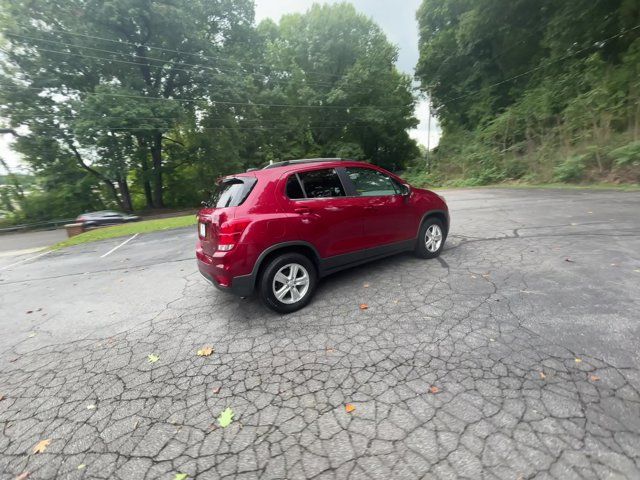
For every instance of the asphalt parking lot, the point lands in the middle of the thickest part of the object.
(514, 355)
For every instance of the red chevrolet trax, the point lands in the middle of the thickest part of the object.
(280, 229)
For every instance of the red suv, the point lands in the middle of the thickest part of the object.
(282, 228)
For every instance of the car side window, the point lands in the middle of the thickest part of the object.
(294, 189)
(372, 183)
(321, 183)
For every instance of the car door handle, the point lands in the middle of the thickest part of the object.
(302, 210)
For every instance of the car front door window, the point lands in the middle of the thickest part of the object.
(372, 183)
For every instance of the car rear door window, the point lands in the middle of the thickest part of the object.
(372, 183)
(294, 189)
(321, 183)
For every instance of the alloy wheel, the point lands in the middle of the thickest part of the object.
(291, 283)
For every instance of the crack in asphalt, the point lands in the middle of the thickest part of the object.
(513, 400)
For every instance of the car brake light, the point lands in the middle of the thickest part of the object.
(230, 232)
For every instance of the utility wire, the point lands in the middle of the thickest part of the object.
(154, 47)
(218, 72)
(539, 67)
(213, 102)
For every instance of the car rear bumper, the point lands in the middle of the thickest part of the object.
(218, 273)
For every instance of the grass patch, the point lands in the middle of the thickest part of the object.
(126, 229)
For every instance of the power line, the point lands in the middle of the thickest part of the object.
(539, 67)
(209, 57)
(218, 72)
(219, 102)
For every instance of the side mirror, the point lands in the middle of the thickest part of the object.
(406, 189)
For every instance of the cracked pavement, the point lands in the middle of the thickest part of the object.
(527, 325)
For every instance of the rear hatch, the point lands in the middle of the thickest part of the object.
(216, 227)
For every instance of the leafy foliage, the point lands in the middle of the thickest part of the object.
(531, 90)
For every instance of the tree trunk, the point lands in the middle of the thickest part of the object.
(126, 195)
(109, 184)
(156, 157)
(144, 165)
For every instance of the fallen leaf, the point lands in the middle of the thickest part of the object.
(637, 270)
(433, 389)
(542, 376)
(568, 260)
(366, 285)
(578, 360)
(363, 306)
(216, 390)
(41, 446)
(349, 408)
(32, 334)
(180, 476)
(205, 351)
(81, 466)
(594, 378)
(13, 360)
(2, 397)
(589, 212)
(330, 350)
(29, 311)
(153, 358)
(225, 418)
(91, 407)
(614, 264)
(23, 476)
(492, 339)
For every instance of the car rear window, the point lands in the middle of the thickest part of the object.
(232, 192)
(321, 184)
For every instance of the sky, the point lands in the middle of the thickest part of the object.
(397, 19)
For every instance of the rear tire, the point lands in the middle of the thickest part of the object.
(288, 282)
(431, 238)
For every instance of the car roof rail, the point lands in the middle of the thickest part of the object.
(252, 169)
(304, 160)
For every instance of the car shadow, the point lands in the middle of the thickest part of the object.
(349, 279)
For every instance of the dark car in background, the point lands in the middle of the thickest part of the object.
(104, 218)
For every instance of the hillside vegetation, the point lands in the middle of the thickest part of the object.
(532, 90)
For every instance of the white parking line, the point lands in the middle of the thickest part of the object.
(118, 246)
(26, 260)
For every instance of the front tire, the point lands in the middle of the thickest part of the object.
(431, 238)
(288, 282)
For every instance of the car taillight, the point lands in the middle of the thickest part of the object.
(229, 234)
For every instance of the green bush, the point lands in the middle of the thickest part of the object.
(571, 170)
(626, 155)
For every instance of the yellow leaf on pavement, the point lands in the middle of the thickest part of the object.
(41, 446)
(205, 351)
